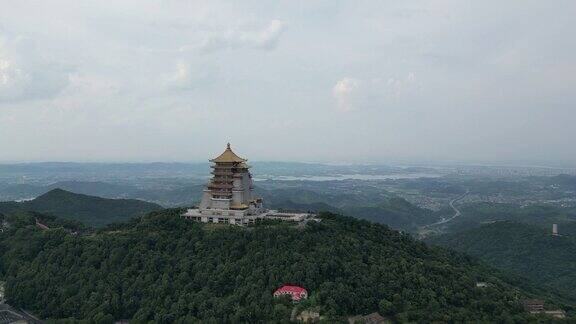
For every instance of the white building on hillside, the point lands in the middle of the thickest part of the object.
(228, 196)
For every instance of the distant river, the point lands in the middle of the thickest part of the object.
(350, 177)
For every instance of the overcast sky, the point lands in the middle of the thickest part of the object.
(334, 81)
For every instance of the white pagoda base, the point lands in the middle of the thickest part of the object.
(241, 217)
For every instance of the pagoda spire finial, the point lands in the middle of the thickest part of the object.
(228, 156)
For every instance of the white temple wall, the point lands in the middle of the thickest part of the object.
(206, 201)
(220, 203)
(237, 197)
(246, 183)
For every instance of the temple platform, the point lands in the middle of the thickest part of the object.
(224, 216)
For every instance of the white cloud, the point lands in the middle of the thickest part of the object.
(239, 37)
(181, 76)
(13, 80)
(355, 94)
(346, 92)
(184, 76)
(396, 87)
(25, 73)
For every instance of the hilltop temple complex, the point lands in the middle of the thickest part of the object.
(228, 196)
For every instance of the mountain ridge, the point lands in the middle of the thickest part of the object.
(89, 210)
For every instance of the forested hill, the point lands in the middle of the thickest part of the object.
(164, 269)
(393, 211)
(89, 210)
(525, 249)
(396, 212)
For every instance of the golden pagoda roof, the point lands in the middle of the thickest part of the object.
(228, 157)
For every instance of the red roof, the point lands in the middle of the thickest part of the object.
(296, 292)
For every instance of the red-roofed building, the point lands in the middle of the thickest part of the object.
(295, 292)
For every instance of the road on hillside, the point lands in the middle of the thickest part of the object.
(456, 211)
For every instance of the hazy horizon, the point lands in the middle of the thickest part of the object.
(392, 163)
(388, 82)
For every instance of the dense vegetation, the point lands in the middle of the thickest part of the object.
(524, 249)
(377, 206)
(394, 212)
(91, 211)
(161, 268)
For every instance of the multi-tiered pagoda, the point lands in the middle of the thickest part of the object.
(228, 196)
(231, 186)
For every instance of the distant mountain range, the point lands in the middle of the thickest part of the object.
(89, 210)
(182, 195)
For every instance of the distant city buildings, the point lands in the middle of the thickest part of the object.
(228, 196)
